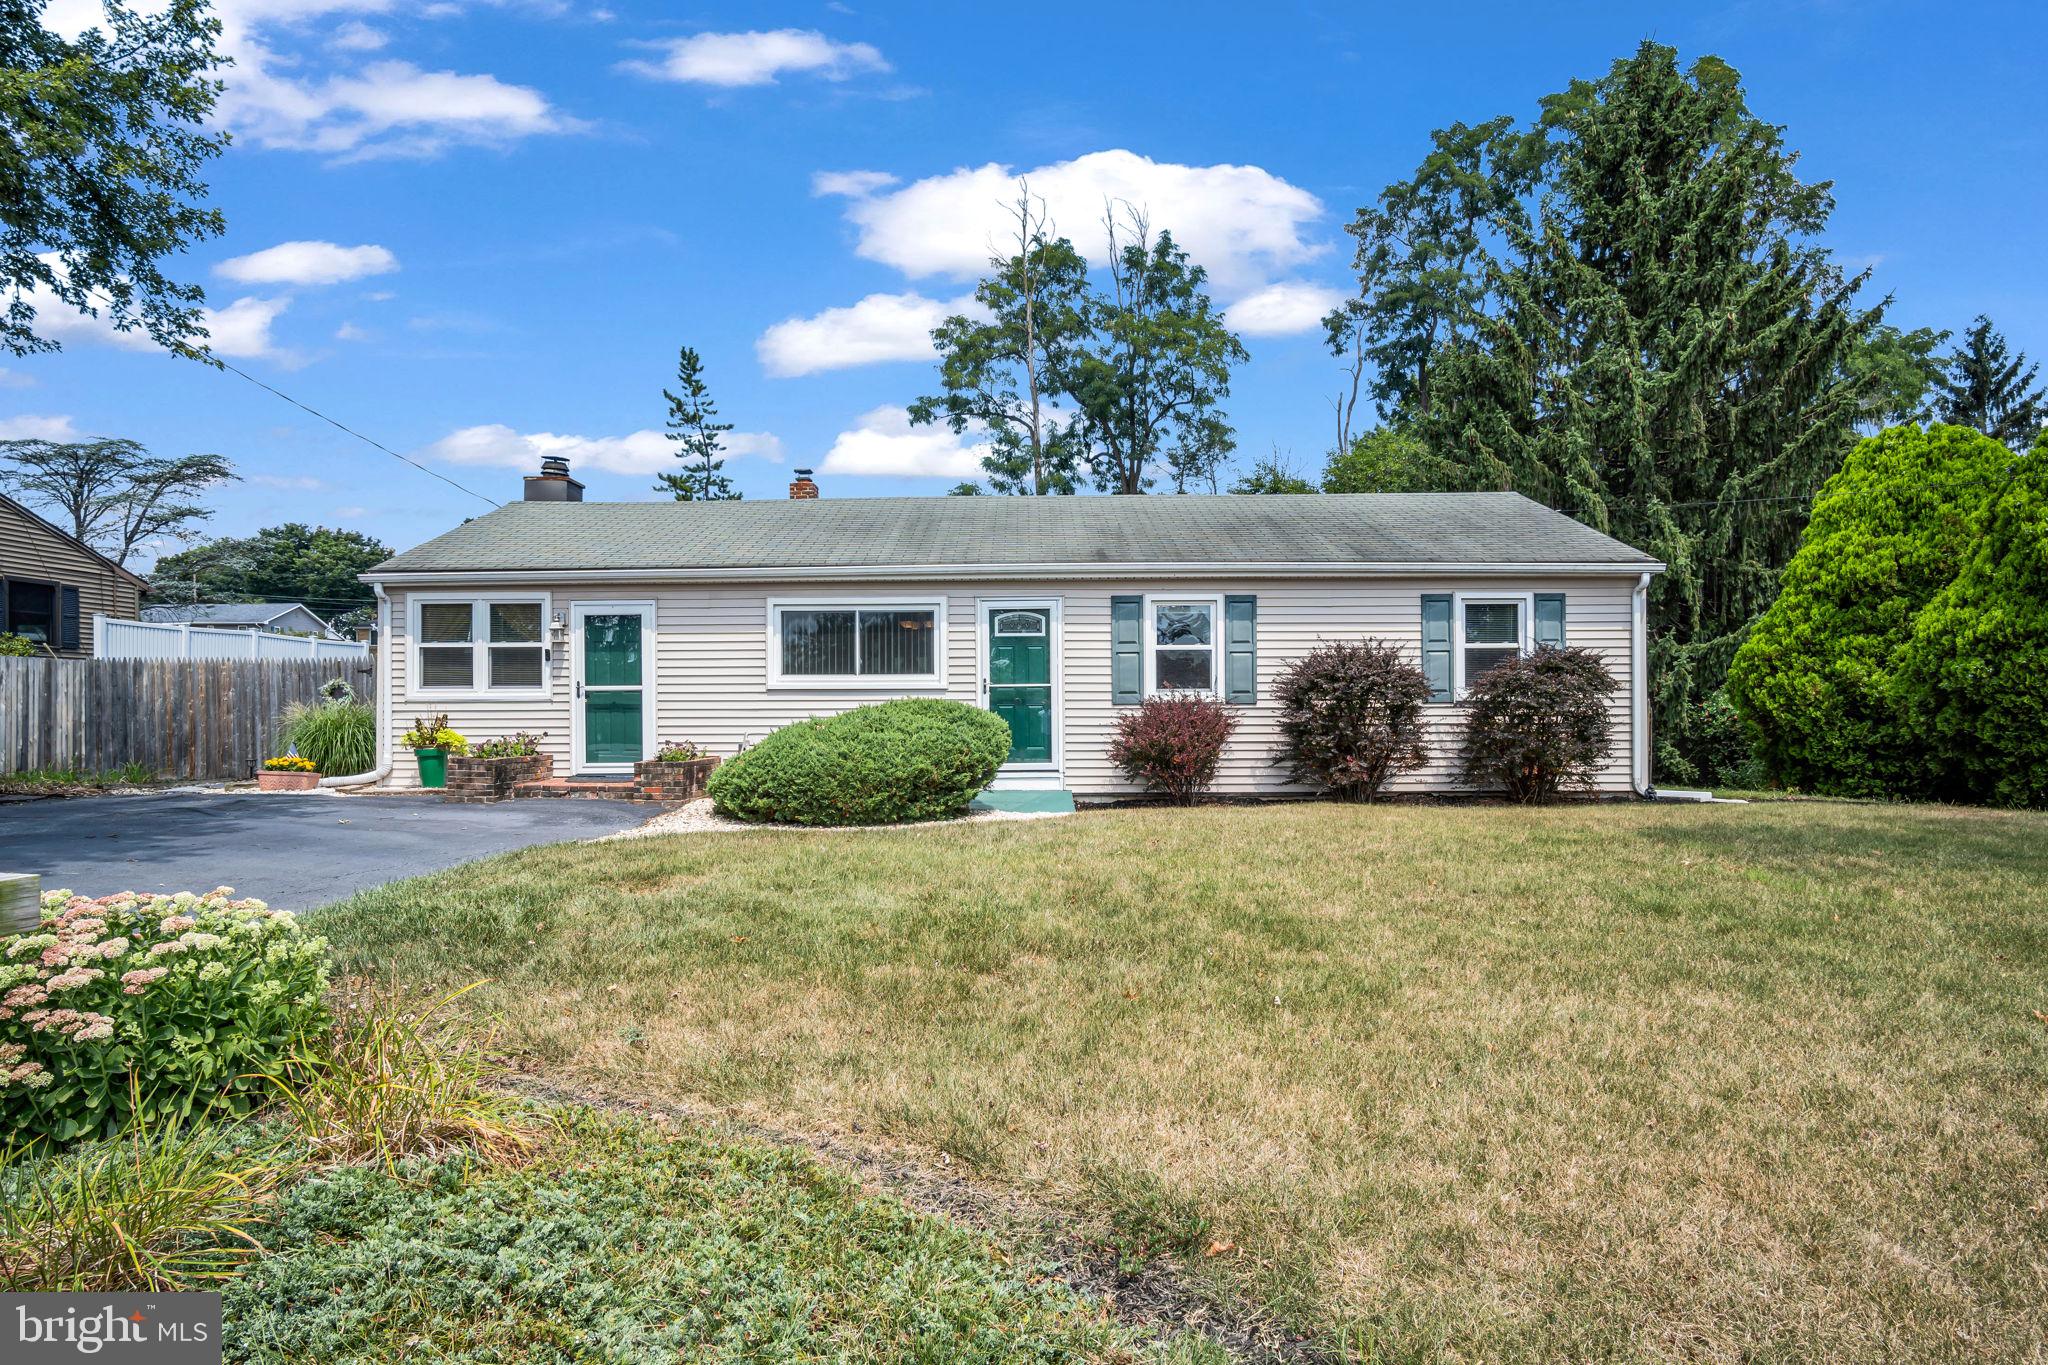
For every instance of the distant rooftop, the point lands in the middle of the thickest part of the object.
(1448, 529)
(227, 613)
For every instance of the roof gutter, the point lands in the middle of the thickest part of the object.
(1639, 688)
(1224, 568)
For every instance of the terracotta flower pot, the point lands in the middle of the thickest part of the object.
(287, 782)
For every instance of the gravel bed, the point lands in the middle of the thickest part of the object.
(697, 817)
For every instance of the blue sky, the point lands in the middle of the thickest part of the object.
(479, 231)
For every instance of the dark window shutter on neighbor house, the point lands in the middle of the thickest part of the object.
(1126, 650)
(1241, 650)
(67, 617)
(1550, 619)
(1436, 644)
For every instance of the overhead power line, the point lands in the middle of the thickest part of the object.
(339, 426)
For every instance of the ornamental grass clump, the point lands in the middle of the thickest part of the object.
(1538, 724)
(338, 737)
(151, 1008)
(1350, 718)
(1173, 745)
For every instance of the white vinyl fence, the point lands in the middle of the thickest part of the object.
(117, 639)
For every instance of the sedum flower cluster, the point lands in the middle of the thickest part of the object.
(177, 1003)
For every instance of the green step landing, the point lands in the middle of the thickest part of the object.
(1026, 802)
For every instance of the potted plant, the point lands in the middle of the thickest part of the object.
(677, 772)
(288, 773)
(491, 769)
(431, 741)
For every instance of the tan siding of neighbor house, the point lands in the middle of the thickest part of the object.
(31, 549)
(712, 682)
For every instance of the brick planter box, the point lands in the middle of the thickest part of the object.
(286, 782)
(492, 779)
(672, 781)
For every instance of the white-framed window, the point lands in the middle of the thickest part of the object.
(1488, 629)
(1183, 643)
(868, 643)
(490, 646)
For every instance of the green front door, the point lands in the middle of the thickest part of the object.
(1020, 678)
(612, 687)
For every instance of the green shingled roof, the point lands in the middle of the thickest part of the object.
(1450, 529)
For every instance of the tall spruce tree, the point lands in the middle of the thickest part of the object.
(1986, 387)
(694, 426)
(1663, 352)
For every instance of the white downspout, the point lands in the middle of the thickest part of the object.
(383, 768)
(1639, 688)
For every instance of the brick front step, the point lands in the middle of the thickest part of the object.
(599, 791)
(499, 779)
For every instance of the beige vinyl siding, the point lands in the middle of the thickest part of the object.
(711, 674)
(31, 550)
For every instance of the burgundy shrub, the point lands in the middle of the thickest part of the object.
(1538, 724)
(1351, 717)
(1172, 745)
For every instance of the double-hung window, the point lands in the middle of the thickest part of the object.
(494, 646)
(1180, 644)
(856, 644)
(1488, 632)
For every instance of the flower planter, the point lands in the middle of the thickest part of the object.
(673, 781)
(286, 782)
(433, 767)
(492, 779)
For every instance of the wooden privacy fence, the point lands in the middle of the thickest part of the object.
(183, 718)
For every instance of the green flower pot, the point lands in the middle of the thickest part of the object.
(433, 767)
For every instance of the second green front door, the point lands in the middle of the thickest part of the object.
(1020, 678)
(611, 685)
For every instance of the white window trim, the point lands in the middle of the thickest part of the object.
(1525, 616)
(870, 682)
(479, 688)
(1215, 645)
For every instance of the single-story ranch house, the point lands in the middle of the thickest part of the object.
(613, 626)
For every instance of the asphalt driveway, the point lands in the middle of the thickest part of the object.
(295, 852)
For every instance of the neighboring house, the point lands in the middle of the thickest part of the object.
(52, 583)
(610, 626)
(283, 617)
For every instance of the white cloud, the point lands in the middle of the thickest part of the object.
(14, 379)
(357, 36)
(880, 327)
(1243, 223)
(29, 427)
(851, 184)
(642, 452)
(295, 482)
(348, 331)
(240, 331)
(308, 263)
(883, 443)
(388, 108)
(1281, 309)
(351, 512)
(757, 58)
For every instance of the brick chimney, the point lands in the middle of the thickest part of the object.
(553, 483)
(801, 486)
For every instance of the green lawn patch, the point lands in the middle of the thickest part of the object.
(1615, 1081)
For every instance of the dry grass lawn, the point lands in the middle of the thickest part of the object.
(1764, 1082)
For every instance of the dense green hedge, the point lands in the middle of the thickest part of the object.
(921, 759)
(1907, 651)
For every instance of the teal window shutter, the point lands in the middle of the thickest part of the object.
(1436, 644)
(1550, 619)
(1241, 650)
(1126, 650)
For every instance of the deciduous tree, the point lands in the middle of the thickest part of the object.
(317, 565)
(102, 139)
(113, 494)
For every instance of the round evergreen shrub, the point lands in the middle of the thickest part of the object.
(1173, 745)
(1351, 717)
(1821, 678)
(1974, 674)
(898, 761)
(1538, 724)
